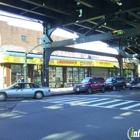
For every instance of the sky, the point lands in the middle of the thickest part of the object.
(34, 25)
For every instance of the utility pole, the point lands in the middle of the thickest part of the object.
(25, 60)
(25, 67)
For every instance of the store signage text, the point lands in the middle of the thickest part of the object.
(103, 63)
(96, 63)
(64, 63)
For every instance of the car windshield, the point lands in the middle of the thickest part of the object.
(12, 85)
(87, 80)
(109, 79)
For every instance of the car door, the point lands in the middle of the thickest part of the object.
(100, 82)
(94, 84)
(28, 90)
(115, 82)
(119, 82)
(16, 91)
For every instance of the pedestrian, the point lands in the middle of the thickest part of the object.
(22, 79)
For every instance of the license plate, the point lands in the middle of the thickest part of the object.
(77, 89)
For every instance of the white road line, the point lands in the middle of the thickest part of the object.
(66, 98)
(80, 100)
(131, 106)
(73, 100)
(96, 101)
(104, 103)
(126, 102)
(60, 99)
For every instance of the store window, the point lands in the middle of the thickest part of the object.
(52, 73)
(114, 72)
(16, 73)
(37, 74)
(59, 77)
(75, 75)
(69, 77)
(55, 77)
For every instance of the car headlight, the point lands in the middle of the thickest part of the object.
(83, 86)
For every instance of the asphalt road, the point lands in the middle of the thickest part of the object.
(98, 116)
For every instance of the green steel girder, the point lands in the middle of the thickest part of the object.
(97, 37)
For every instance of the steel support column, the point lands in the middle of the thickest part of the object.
(120, 59)
(46, 53)
(45, 74)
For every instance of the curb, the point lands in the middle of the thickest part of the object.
(58, 94)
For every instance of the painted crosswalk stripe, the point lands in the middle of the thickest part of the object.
(73, 100)
(98, 100)
(60, 99)
(114, 105)
(131, 106)
(98, 104)
(81, 100)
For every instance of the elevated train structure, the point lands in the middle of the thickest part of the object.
(116, 22)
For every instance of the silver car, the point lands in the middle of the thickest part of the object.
(24, 90)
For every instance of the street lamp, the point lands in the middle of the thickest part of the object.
(25, 62)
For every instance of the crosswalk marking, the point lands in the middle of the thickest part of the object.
(131, 106)
(64, 99)
(98, 104)
(60, 99)
(126, 102)
(72, 100)
(96, 100)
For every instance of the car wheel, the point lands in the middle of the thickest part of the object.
(123, 87)
(103, 89)
(2, 96)
(114, 88)
(89, 90)
(38, 95)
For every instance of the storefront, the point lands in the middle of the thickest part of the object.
(63, 71)
(101, 68)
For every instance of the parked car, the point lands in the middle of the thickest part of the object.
(90, 84)
(135, 83)
(114, 83)
(21, 90)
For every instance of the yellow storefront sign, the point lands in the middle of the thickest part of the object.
(103, 64)
(15, 59)
(86, 64)
(64, 63)
(19, 59)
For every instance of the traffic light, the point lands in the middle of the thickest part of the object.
(118, 32)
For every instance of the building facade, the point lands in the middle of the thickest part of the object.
(65, 70)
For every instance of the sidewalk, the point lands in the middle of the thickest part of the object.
(62, 91)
